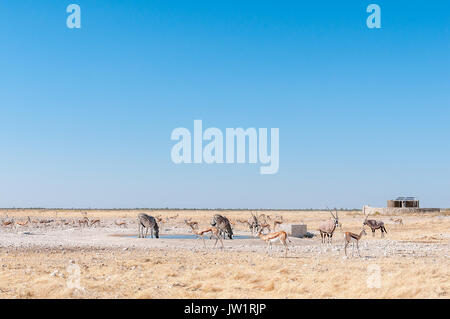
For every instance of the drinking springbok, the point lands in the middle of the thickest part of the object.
(374, 224)
(223, 224)
(353, 238)
(146, 221)
(327, 228)
(280, 236)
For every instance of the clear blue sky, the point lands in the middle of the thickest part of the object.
(86, 115)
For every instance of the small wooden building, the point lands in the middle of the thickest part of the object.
(403, 202)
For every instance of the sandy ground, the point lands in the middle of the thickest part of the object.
(61, 259)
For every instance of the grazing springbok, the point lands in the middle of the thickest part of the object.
(120, 224)
(353, 238)
(263, 226)
(24, 223)
(193, 225)
(146, 221)
(9, 223)
(374, 224)
(270, 238)
(327, 228)
(82, 222)
(397, 221)
(201, 233)
(95, 222)
(223, 224)
(278, 220)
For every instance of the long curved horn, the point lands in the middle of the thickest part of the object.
(330, 212)
(364, 212)
(336, 213)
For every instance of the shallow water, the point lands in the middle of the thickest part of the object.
(179, 236)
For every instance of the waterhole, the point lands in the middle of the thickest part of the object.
(178, 236)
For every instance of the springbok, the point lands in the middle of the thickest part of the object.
(214, 232)
(120, 224)
(82, 222)
(193, 225)
(146, 221)
(374, 224)
(327, 228)
(353, 238)
(9, 223)
(263, 226)
(95, 222)
(24, 223)
(278, 220)
(280, 236)
(397, 221)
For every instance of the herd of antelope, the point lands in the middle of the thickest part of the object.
(83, 222)
(257, 224)
(260, 225)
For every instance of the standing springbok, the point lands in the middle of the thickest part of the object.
(374, 224)
(353, 238)
(327, 228)
(280, 236)
(146, 221)
(213, 230)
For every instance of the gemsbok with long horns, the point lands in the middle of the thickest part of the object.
(374, 224)
(327, 228)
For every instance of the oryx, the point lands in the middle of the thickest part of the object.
(326, 228)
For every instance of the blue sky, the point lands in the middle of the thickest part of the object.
(86, 115)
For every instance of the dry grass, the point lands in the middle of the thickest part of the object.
(187, 274)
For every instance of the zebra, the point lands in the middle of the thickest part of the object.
(223, 224)
(146, 221)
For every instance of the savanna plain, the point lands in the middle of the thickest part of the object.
(54, 253)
